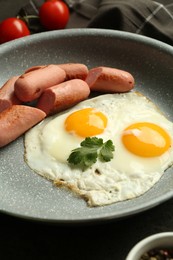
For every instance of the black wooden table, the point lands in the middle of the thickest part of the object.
(26, 239)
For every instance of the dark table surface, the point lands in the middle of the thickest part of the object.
(25, 239)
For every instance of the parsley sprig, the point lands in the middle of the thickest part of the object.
(91, 149)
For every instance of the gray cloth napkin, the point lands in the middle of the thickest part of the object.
(151, 18)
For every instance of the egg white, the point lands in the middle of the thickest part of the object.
(126, 176)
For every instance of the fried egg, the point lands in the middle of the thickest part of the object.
(141, 134)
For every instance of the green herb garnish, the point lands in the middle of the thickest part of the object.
(91, 149)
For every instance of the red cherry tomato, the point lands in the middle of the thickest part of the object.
(52, 0)
(54, 15)
(12, 28)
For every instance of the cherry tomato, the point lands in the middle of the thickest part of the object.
(12, 28)
(54, 15)
(52, 0)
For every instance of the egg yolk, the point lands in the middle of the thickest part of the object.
(146, 139)
(86, 122)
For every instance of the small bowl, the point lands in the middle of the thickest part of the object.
(159, 240)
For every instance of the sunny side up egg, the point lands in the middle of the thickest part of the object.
(142, 137)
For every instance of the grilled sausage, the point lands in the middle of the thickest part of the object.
(63, 96)
(30, 85)
(74, 70)
(16, 120)
(109, 80)
(35, 68)
(7, 95)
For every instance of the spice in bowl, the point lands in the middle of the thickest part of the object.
(155, 247)
(158, 254)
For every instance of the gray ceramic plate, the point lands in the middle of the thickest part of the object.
(25, 194)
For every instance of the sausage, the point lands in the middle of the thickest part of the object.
(16, 120)
(7, 95)
(74, 70)
(35, 68)
(30, 85)
(109, 80)
(63, 96)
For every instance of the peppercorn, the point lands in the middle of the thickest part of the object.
(158, 254)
